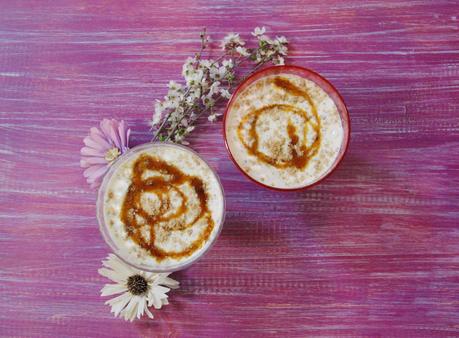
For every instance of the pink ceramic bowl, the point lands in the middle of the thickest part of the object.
(322, 83)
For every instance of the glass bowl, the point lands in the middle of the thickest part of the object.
(121, 251)
(318, 80)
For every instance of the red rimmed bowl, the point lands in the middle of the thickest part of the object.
(321, 82)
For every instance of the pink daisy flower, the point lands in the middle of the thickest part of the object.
(102, 147)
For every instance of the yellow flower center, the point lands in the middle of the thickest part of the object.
(112, 154)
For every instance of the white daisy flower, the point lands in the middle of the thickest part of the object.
(139, 289)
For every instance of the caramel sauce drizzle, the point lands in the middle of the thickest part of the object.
(300, 153)
(173, 179)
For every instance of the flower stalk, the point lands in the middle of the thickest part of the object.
(210, 81)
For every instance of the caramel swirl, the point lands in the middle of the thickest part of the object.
(299, 151)
(168, 184)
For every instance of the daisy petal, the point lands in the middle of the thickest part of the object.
(155, 301)
(149, 314)
(129, 312)
(128, 134)
(86, 151)
(156, 295)
(95, 171)
(100, 138)
(91, 160)
(112, 275)
(112, 289)
(91, 143)
(119, 303)
(95, 132)
(106, 127)
(114, 136)
(141, 307)
(167, 281)
(122, 135)
(93, 184)
(161, 290)
(118, 265)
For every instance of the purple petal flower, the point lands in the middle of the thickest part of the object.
(102, 146)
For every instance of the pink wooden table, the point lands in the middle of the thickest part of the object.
(373, 251)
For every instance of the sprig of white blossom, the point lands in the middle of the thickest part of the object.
(208, 81)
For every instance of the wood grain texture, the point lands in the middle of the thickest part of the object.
(372, 251)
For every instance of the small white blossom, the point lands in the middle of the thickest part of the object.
(190, 99)
(212, 117)
(222, 70)
(184, 122)
(281, 40)
(281, 45)
(214, 88)
(231, 42)
(214, 73)
(278, 60)
(194, 77)
(204, 84)
(225, 93)
(264, 40)
(206, 63)
(188, 66)
(208, 101)
(228, 64)
(157, 114)
(242, 51)
(258, 31)
(217, 72)
(178, 138)
(174, 86)
(171, 102)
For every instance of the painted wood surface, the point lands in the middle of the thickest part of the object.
(372, 251)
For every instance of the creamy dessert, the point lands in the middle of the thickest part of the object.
(162, 206)
(284, 131)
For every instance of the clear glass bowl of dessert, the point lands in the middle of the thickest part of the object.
(160, 207)
(286, 127)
